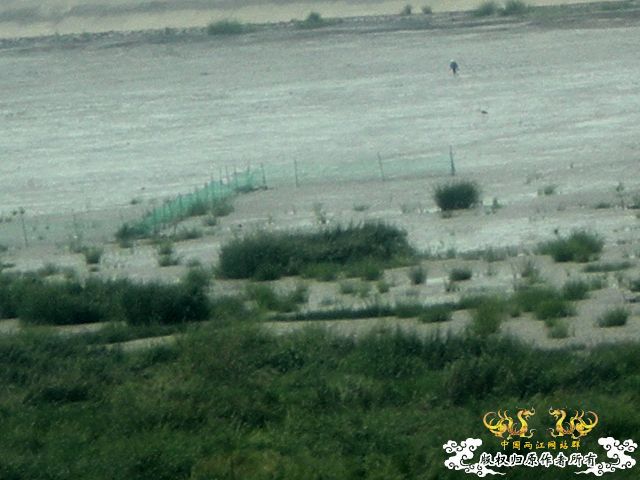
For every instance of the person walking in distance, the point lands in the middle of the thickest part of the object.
(453, 65)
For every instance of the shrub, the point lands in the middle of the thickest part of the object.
(427, 10)
(580, 246)
(92, 255)
(528, 298)
(515, 7)
(417, 275)
(488, 316)
(554, 307)
(558, 329)
(575, 290)
(457, 195)
(313, 20)
(128, 232)
(634, 285)
(486, 9)
(406, 10)
(270, 255)
(165, 304)
(226, 27)
(614, 318)
(460, 274)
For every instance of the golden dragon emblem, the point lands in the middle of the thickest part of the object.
(500, 423)
(577, 426)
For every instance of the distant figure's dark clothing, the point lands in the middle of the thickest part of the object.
(454, 67)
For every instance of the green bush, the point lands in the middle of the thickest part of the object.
(580, 246)
(457, 195)
(418, 275)
(313, 20)
(486, 9)
(226, 27)
(515, 7)
(488, 316)
(575, 290)
(271, 255)
(427, 10)
(39, 301)
(406, 10)
(614, 318)
(460, 274)
(554, 307)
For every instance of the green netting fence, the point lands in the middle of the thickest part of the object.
(300, 173)
(199, 202)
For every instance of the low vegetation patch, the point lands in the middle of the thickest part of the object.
(457, 195)
(226, 27)
(271, 255)
(460, 274)
(486, 9)
(614, 318)
(515, 7)
(314, 20)
(62, 302)
(580, 246)
(607, 267)
(418, 275)
(321, 406)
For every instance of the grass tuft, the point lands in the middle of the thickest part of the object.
(614, 318)
(580, 246)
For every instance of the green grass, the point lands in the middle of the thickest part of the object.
(580, 246)
(271, 255)
(240, 403)
(616, 317)
(543, 301)
(488, 316)
(66, 302)
(607, 267)
(267, 298)
(457, 195)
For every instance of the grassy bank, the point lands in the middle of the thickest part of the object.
(238, 403)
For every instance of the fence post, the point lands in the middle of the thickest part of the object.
(380, 166)
(453, 165)
(295, 169)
